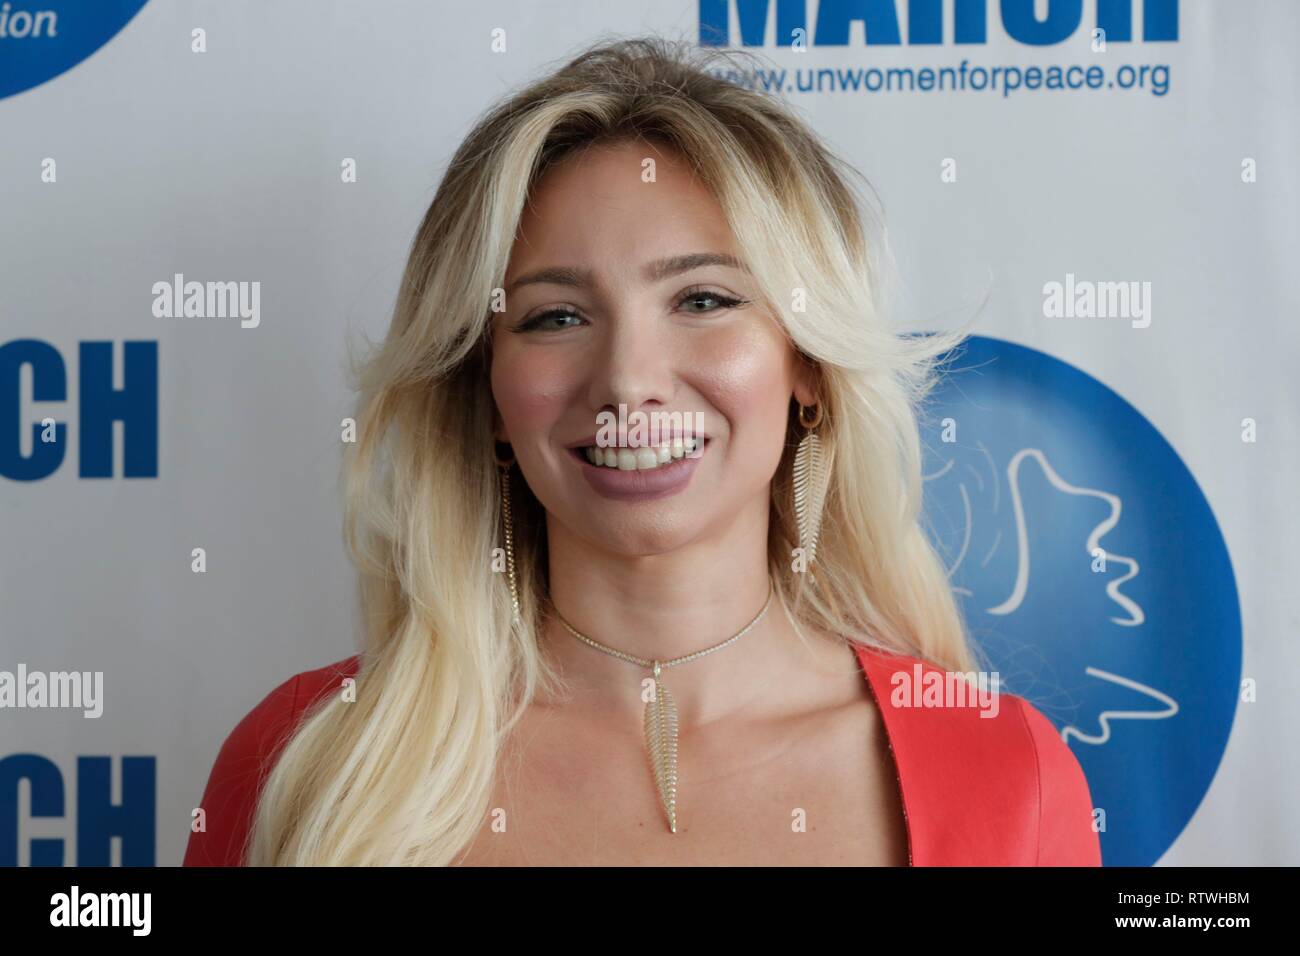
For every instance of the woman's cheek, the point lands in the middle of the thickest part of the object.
(743, 373)
(746, 378)
(531, 391)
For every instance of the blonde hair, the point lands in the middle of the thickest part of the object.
(404, 774)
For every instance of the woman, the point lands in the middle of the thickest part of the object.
(593, 645)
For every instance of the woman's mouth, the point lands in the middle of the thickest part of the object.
(649, 458)
(641, 474)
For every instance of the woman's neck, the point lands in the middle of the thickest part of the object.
(660, 607)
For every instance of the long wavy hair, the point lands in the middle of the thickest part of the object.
(404, 773)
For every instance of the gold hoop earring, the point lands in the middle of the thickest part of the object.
(810, 481)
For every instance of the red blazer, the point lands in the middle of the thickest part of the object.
(976, 791)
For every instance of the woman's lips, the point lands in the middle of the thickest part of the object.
(639, 484)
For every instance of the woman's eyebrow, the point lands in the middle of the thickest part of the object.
(663, 268)
(653, 272)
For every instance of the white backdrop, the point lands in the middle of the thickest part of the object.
(225, 166)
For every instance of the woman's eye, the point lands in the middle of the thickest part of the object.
(536, 321)
(721, 301)
(553, 320)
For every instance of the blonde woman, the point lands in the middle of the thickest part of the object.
(593, 643)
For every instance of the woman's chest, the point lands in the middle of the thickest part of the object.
(820, 791)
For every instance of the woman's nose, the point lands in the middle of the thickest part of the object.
(635, 365)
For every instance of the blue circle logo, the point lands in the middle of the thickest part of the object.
(39, 39)
(1093, 576)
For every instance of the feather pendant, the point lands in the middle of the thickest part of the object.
(809, 493)
(661, 742)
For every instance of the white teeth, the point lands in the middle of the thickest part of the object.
(640, 459)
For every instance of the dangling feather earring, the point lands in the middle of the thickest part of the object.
(504, 470)
(810, 479)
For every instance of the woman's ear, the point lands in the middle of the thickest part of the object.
(499, 427)
(807, 382)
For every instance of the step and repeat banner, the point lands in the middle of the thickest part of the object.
(1108, 186)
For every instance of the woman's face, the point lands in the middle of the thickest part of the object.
(594, 325)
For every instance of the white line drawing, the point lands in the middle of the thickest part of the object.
(969, 515)
(1106, 716)
(997, 540)
(947, 467)
(993, 470)
(1017, 596)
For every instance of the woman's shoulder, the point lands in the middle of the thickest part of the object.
(985, 775)
(218, 835)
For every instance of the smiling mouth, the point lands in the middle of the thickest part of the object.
(647, 458)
